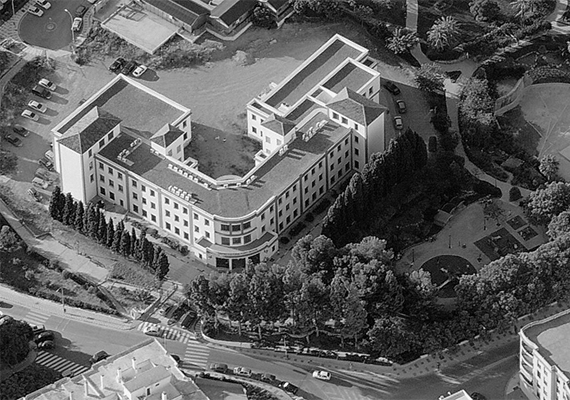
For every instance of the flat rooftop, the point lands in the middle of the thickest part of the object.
(278, 173)
(312, 72)
(138, 110)
(351, 76)
(302, 110)
(553, 339)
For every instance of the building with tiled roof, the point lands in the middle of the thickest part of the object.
(544, 358)
(315, 128)
(143, 371)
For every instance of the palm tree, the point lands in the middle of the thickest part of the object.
(402, 41)
(443, 32)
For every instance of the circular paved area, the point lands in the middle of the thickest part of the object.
(52, 30)
(447, 268)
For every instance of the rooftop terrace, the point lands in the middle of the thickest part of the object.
(553, 339)
(312, 73)
(142, 111)
(351, 76)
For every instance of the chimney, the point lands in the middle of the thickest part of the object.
(102, 383)
(134, 360)
(119, 375)
(163, 396)
(86, 387)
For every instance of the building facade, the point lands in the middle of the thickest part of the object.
(544, 358)
(319, 125)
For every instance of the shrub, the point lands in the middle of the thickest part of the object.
(65, 274)
(183, 250)
(485, 188)
(514, 194)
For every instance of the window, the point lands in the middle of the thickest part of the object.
(347, 167)
(263, 228)
(112, 195)
(263, 216)
(196, 229)
(90, 153)
(102, 143)
(121, 188)
(278, 142)
(236, 228)
(281, 226)
(175, 205)
(339, 173)
(313, 184)
(253, 117)
(247, 238)
(186, 236)
(184, 123)
(101, 166)
(314, 196)
(295, 213)
(167, 213)
(225, 240)
(295, 200)
(152, 205)
(356, 152)
(313, 171)
(268, 139)
(287, 194)
(320, 177)
(135, 184)
(335, 115)
(346, 141)
(119, 175)
(167, 225)
(101, 178)
(185, 222)
(185, 134)
(169, 153)
(208, 235)
(144, 200)
(332, 165)
(287, 207)
(280, 213)
(225, 227)
(306, 190)
(295, 188)
(331, 154)
(166, 200)
(356, 139)
(177, 231)
(307, 203)
(135, 208)
(280, 201)
(356, 126)
(196, 216)
(321, 190)
(272, 221)
(305, 178)
(144, 213)
(346, 154)
(338, 147)
(344, 120)
(102, 190)
(143, 188)
(176, 218)
(110, 170)
(110, 135)
(370, 91)
(111, 183)
(271, 209)
(178, 149)
(320, 164)
(184, 210)
(206, 222)
(254, 129)
(332, 179)
(356, 164)
(90, 165)
(236, 240)
(92, 178)
(288, 220)
(152, 193)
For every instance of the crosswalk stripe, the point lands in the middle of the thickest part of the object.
(36, 318)
(169, 333)
(58, 364)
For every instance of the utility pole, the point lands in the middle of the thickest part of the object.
(62, 298)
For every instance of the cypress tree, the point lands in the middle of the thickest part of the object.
(79, 216)
(94, 223)
(110, 233)
(102, 232)
(56, 204)
(86, 216)
(163, 266)
(116, 246)
(134, 243)
(146, 252)
(68, 216)
(121, 226)
(125, 246)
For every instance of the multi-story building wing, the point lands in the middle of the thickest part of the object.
(319, 125)
(544, 358)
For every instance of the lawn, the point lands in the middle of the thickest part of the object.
(525, 133)
(132, 299)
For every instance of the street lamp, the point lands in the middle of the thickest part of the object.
(62, 298)
(72, 33)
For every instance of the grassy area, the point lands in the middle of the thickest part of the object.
(29, 213)
(131, 299)
(27, 381)
(176, 53)
(135, 276)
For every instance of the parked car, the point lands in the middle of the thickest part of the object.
(221, 368)
(30, 115)
(322, 375)
(289, 387)
(46, 345)
(39, 182)
(401, 104)
(42, 173)
(269, 378)
(43, 336)
(38, 329)
(20, 130)
(242, 371)
(176, 358)
(47, 84)
(77, 24)
(46, 163)
(38, 12)
(49, 155)
(99, 356)
(398, 122)
(37, 106)
(153, 330)
(68, 373)
(80, 11)
(141, 69)
(391, 87)
(34, 194)
(129, 67)
(13, 140)
(117, 65)
(477, 396)
(41, 92)
(44, 4)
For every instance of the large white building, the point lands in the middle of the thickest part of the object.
(545, 358)
(316, 127)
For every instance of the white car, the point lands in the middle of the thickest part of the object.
(153, 330)
(34, 105)
(77, 24)
(44, 4)
(242, 371)
(141, 69)
(47, 84)
(398, 122)
(30, 115)
(36, 11)
(322, 375)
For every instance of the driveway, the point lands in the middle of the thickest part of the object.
(53, 29)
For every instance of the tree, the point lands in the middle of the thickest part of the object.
(116, 245)
(354, 316)
(134, 243)
(79, 217)
(543, 204)
(263, 17)
(559, 225)
(549, 167)
(68, 216)
(237, 304)
(8, 162)
(389, 337)
(93, 222)
(102, 230)
(157, 252)
(485, 10)
(328, 9)
(477, 106)
(430, 78)
(56, 204)
(9, 241)
(443, 32)
(110, 233)
(402, 41)
(15, 336)
(163, 267)
(125, 246)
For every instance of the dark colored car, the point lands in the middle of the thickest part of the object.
(100, 356)
(477, 396)
(43, 336)
(38, 329)
(20, 130)
(269, 378)
(401, 106)
(117, 65)
(289, 387)
(41, 92)
(176, 358)
(391, 87)
(46, 163)
(34, 194)
(46, 345)
(13, 140)
(222, 368)
(80, 11)
(129, 67)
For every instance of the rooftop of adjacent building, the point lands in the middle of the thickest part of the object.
(137, 107)
(186, 11)
(229, 11)
(460, 395)
(552, 336)
(272, 178)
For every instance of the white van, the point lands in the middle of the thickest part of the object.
(49, 155)
(40, 183)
